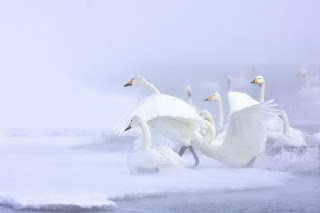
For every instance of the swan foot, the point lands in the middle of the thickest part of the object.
(195, 157)
(182, 150)
(251, 162)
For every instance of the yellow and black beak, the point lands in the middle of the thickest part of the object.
(129, 83)
(189, 92)
(129, 127)
(209, 99)
(255, 81)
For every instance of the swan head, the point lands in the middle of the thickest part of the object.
(138, 80)
(229, 79)
(302, 72)
(258, 80)
(189, 90)
(133, 123)
(214, 97)
(205, 114)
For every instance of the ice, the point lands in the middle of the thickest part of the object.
(64, 172)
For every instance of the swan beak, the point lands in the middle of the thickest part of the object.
(129, 127)
(189, 92)
(129, 83)
(209, 99)
(255, 81)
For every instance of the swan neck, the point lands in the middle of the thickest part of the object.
(146, 136)
(210, 132)
(262, 93)
(190, 101)
(220, 107)
(151, 87)
(285, 119)
(230, 86)
(307, 81)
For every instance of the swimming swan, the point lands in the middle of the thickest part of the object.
(170, 116)
(245, 138)
(289, 138)
(275, 126)
(314, 140)
(143, 159)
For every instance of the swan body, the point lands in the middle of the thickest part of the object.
(288, 138)
(245, 136)
(314, 140)
(275, 127)
(143, 159)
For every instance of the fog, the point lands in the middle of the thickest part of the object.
(63, 64)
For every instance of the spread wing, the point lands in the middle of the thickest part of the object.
(158, 105)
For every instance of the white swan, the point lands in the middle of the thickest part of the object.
(189, 94)
(304, 74)
(245, 138)
(143, 159)
(289, 138)
(314, 140)
(210, 132)
(216, 97)
(229, 81)
(171, 117)
(275, 126)
(237, 101)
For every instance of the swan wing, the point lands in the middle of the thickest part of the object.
(167, 157)
(159, 140)
(158, 105)
(246, 133)
(239, 100)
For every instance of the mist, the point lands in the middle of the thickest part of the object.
(64, 64)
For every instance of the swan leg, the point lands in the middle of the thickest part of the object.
(194, 156)
(182, 150)
(251, 162)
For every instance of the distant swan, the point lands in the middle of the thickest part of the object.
(170, 116)
(245, 137)
(143, 159)
(189, 95)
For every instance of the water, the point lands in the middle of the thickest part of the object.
(88, 173)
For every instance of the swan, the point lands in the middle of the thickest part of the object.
(237, 101)
(245, 138)
(310, 82)
(229, 81)
(216, 97)
(304, 74)
(275, 126)
(210, 133)
(189, 95)
(143, 159)
(314, 140)
(170, 116)
(289, 138)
